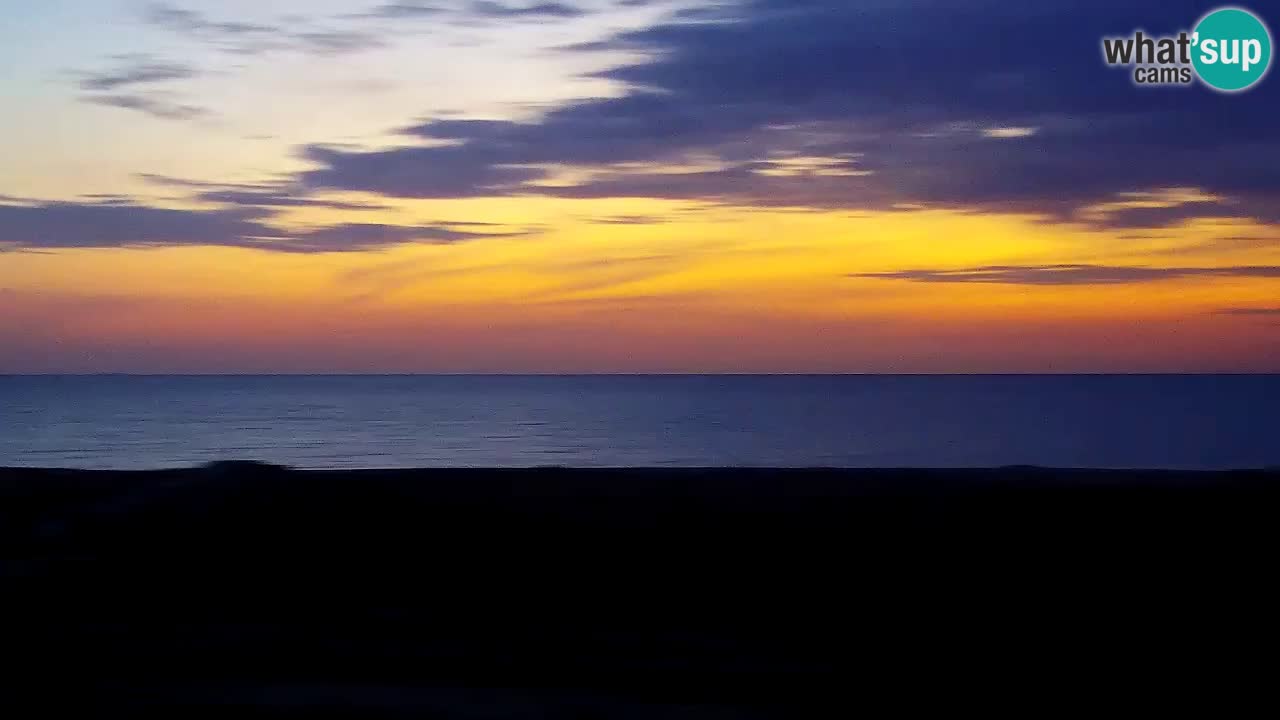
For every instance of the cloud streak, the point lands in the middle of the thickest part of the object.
(261, 195)
(245, 38)
(156, 105)
(1250, 312)
(405, 11)
(537, 11)
(139, 70)
(127, 224)
(477, 11)
(131, 86)
(1067, 274)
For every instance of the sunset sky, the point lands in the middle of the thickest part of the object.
(626, 186)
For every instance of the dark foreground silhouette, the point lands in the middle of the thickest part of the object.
(250, 591)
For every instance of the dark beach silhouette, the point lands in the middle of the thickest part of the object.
(244, 590)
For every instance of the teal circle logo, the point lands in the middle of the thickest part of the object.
(1232, 49)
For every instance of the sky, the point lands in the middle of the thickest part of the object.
(457, 186)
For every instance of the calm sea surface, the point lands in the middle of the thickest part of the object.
(851, 421)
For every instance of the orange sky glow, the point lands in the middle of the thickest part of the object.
(610, 259)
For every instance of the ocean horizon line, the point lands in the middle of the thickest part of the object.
(631, 374)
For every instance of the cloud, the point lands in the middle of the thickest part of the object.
(245, 38)
(323, 37)
(189, 21)
(262, 195)
(477, 10)
(415, 173)
(266, 196)
(354, 237)
(890, 70)
(630, 220)
(1250, 312)
(159, 105)
(188, 184)
(97, 225)
(405, 10)
(138, 70)
(116, 224)
(337, 42)
(129, 86)
(474, 12)
(1069, 274)
(985, 106)
(536, 11)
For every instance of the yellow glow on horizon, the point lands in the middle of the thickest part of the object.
(653, 285)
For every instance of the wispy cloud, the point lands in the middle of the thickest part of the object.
(337, 42)
(476, 12)
(190, 21)
(630, 220)
(405, 10)
(535, 11)
(355, 237)
(157, 105)
(255, 195)
(138, 82)
(266, 196)
(262, 195)
(136, 70)
(1250, 311)
(1069, 274)
(129, 224)
(245, 38)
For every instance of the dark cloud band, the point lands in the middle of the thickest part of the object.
(124, 224)
(976, 105)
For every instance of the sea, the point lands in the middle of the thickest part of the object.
(1087, 421)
